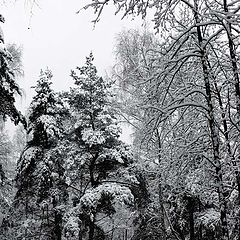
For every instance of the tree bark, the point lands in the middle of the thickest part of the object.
(214, 134)
(235, 70)
(57, 231)
(160, 194)
(91, 230)
(57, 225)
(233, 58)
(91, 170)
(191, 218)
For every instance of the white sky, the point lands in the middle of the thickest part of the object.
(58, 38)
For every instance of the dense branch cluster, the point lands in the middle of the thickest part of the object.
(179, 89)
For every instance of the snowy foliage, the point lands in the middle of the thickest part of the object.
(93, 197)
(95, 152)
(209, 218)
(91, 137)
(45, 113)
(72, 227)
(180, 92)
(8, 85)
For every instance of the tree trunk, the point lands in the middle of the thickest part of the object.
(57, 225)
(91, 170)
(214, 135)
(126, 234)
(57, 230)
(161, 210)
(160, 193)
(91, 230)
(191, 218)
(233, 57)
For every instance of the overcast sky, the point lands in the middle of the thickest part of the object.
(54, 36)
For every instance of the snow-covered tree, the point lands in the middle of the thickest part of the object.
(193, 42)
(8, 85)
(7, 167)
(36, 211)
(98, 153)
(8, 91)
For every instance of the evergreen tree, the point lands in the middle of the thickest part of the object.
(7, 166)
(99, 155)
(8, 85)
(35, 212)
(8, 89)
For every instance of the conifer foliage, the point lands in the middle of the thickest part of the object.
(180, 91)
(100, 153)
(69, 174)
(44, 113)
(8, 85)
(39, 171)
(8, 89)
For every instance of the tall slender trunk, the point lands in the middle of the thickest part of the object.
(235, 70)
(93, 184)
(57, 225)
(60, 199)
(57, 231)
(227, 139)
(91, 230)
(233, 58)
(160, 193)
(190, 206)
(92, 169)
(214, 134)
(126, 235)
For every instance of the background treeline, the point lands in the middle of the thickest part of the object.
(180, 92)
